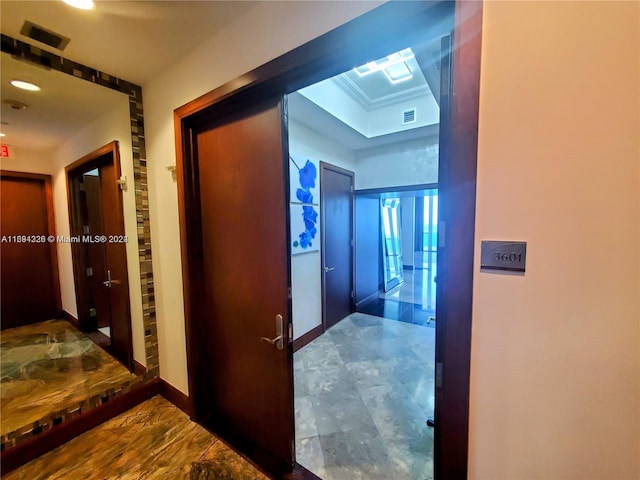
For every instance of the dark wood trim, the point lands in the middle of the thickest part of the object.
(403, 188)
(308, 337)
(175, 396)
(51, 226)
(457, 192)
(71, 319)
(28, 450)
(111, 147)
(138, 368)
(300, 473)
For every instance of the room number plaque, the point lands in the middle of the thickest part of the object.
(496, 255)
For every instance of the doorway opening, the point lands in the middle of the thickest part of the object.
(260, 95)
(98, 245)
(365, 381)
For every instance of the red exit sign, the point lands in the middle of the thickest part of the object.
(4, 151)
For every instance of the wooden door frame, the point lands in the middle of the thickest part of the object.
(79, 264)
(324, 166)
(51, 226)
(389, 27)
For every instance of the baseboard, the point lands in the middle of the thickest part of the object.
(138, 368)
(179, 399)
(308, 337)
(370, 298)
(71, 319)
(28, 450)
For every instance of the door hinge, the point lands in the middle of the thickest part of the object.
(353, 242)
(85, 229)
(438, 374)
(293, 449)
(92, 312)
(89, 272)
(441, 229)
(289, 292)
(352, 295)
(290, 328)
(351, 188)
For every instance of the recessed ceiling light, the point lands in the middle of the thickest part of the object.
(81, 4)
(32, 87)
(3, 134)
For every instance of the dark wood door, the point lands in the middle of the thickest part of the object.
(91, 205)
(115, 279)
(29, 286)
(336, 194)
(96, 210)
(239, 284)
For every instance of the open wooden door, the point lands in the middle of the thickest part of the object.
(237, 277)
(99, 257)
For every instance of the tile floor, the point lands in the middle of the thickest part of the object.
(154, 440)
(363, 393)
(48, 367)
(413, 301)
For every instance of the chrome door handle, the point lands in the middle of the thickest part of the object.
(279, 340)
(107, 282)
(328, 269)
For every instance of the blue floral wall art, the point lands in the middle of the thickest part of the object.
(304, 211)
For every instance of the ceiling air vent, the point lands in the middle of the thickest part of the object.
(46, 36)
(409, 116)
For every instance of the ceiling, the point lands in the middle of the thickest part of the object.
(120, 38)
(133, 40)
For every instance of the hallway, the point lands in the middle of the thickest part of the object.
(363, 392)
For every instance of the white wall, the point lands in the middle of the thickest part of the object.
(555, 360)
(113, 125)
(306, 268)
(276, 28)
(413, 162)
(25, 160)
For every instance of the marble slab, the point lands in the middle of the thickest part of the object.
(154, 440)
(48, 372)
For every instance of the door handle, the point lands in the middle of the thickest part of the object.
(279, 340)
(109, 282)
(328, 269)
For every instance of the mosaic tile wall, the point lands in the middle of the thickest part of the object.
(38, 56)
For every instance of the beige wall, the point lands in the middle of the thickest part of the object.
(555, 353)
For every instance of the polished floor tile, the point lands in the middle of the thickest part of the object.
(154, 440)
(48, 367)
(363, 393)
(413, 301)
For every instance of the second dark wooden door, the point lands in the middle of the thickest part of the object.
(336, 187)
